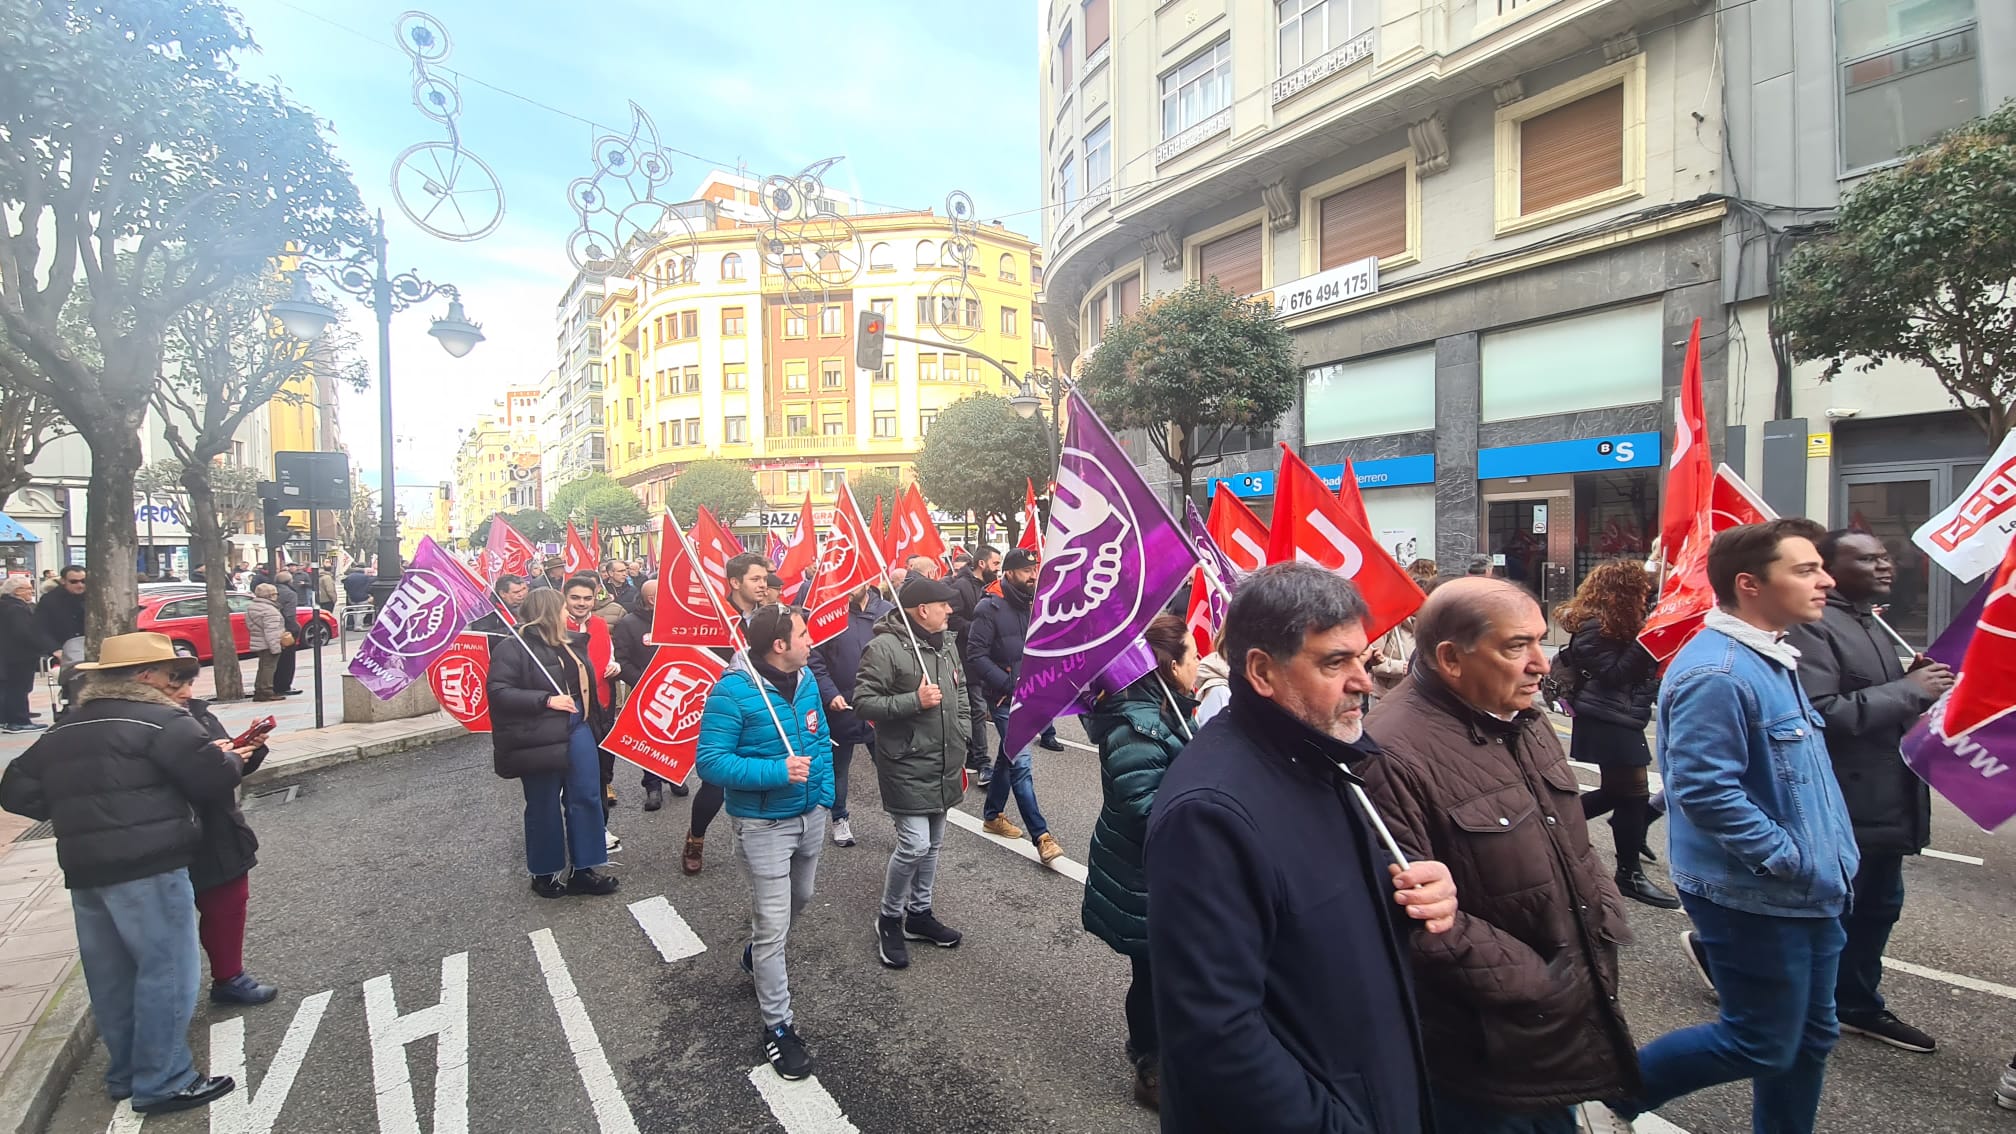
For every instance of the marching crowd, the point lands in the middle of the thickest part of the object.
(1352, 878)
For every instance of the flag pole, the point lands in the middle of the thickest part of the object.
(734, 631)
(1894, 635)
(1378, 824)
(1170, 699)
(511, 624)
(882, 564)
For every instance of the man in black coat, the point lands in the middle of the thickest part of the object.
(969, 587)
(1848, 663)
(61, 611)
(836, 663)
(122, 779)
(633, 654)
(1282, 984)
(23, 649)
(994, 645)
(289, 602)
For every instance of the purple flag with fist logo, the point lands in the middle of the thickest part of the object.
(1112, 557)
(435, 601)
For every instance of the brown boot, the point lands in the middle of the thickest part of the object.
(689, 860)
(1148, 1083)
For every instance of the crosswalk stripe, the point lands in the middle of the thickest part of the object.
(125, 1120)
(1972, 984)
(612, 1113)
(1649, 1123)
(802, 1107)
(669, 933)
(1949, 856)
(1066, 866)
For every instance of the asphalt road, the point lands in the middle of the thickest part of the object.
(403, 874)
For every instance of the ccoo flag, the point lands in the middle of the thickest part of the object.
(1968, 536)
(434, 602)
(1112, 556)
(1965, 745)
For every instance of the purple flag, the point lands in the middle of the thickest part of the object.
(1968, 768)
(1112, 557)
(1221, 575)
(434, 601)
(1134, 663)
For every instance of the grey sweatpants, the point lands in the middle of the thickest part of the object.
(780, 857)
(913, 866)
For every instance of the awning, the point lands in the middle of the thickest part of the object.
(11, 532)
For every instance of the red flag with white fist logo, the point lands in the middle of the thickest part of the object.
(659, 727)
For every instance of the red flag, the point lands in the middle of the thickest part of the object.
(1689, 476)
(1310, 526)
(1240, 534)
(803, 548)
(684, 616)
(1350, 499)
(1982, 694)
(1732, 504)
(1032, 525)
(577, 558)
(880, 532)
(716, 545)
(844, 566)
(506, 552)
(911, 531)
(1685, 598)
(460, 679)
(1198, 615)
(659, 727)
(595, 539)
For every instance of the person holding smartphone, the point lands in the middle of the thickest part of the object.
(221, 871)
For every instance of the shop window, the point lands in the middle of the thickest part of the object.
(1617, 362)
(1369, 397)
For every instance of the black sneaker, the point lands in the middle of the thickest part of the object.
(548, 886)
(1697, 956)
(922, 926)
(204, 1091)
(889, 941)
(1885, 1026)
(1050, 743)
(787, 1053)
(586, 881)
(654, 799)
(749, 959)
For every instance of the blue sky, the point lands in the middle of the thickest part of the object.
(921, 97)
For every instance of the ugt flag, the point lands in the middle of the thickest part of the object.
(506, 552)
(1312, 526)
(687, 614)
(1237, 531)
(1112, 556)
(460, 679)
(659, 727)
(1965, 745)
(434, 602)
(578, 560)
(846, 563)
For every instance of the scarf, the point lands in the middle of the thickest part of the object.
(1770, 645)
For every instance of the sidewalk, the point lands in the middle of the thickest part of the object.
(45, 1027)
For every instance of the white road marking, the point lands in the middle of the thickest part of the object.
(244, 1111)
(1063, 865)
(1653, 1124)
(448, 1022)
(125, 1120)
(1653, 783)
(802, 1107)
(1972, 984)
(1949, 856)
(669, 933)
(612, 1113)
(1078, 746)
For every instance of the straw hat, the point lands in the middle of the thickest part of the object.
(126, 651)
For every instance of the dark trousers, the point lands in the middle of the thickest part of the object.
(14, 689)
(220, 925)
(1143, 1041)
(976, 715)
(283, 672)
(706, 805)
(843, 755)
(1621, 792)
(1452, 1113)
(1879, 901)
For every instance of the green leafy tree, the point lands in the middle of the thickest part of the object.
(1920, 267)
(977, 456)
(597, 497)
(357, 525)
(534, 525)
(870, 485)
(725, 488)
(1190, 366)
(139, 173)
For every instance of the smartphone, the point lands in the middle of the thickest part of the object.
(255, 735)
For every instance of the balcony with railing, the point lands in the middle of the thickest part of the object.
(808, 442)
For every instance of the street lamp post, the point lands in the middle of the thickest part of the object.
(1027, 405)
(304, 317)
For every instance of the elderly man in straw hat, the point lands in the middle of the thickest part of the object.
(123, 777)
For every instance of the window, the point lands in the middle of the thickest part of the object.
(795, 376)
(1617, 355)
(1198, 88)
(672, 428)
(1039, 331)
(1036, 276)
(925, 420)
(1065, 60)
(1369, 397)
(829, 482)
(794, 326)
(734, 430)
(732, 323)
(927, 254)
(1008, 321)
(1572, 151)
(1234, 260)
(885, 425)
(831, 375)
(1367, 219)
(629, 409)
(973, 313)
(797, 425)
(1098, 26)
(973, 374)
(1126, 297)
(1099, 157)
(689, 324)
(948, 310)
(885, 308)
(888, 371)
(1310, 29)
(692, 384)
(925, 312)
(1909, 69)
(831, 320)
(880, 259)
(952, 367)
(1067, 184)
(1095, 320)
(1006, 270)
(794, 482)
(693, 431)
(927, 368)
(833, 425)
(735, 376)
(731, 266)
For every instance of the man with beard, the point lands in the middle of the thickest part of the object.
(994, 657)
(582, 594)
(969, 587)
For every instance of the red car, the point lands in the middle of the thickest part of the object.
(184, 617)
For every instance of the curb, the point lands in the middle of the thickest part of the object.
(286, 769)
(49, 1056)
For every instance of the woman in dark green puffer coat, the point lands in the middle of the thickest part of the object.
(1138, 730)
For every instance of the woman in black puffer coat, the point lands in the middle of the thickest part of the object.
(544, 737)
(1615, 684)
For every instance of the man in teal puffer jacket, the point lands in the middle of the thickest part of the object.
(776, 764)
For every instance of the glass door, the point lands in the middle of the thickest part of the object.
(1890, 505)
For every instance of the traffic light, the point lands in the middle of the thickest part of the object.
(868, 342)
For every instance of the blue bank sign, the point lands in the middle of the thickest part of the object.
(1589, 454)
(1391, 472)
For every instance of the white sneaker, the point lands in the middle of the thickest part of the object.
(2005, 1091)
(612, 840)
(843, 835)
(1598, 1118)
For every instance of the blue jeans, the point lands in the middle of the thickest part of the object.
(1462, 1115)
(141, 963)
(1775, 977)
(1879, 902)
(843, 755)
(563, 810)
(1016, 772)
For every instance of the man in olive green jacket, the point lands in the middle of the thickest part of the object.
(913, 689)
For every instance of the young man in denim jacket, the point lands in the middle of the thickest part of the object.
(1762, 850)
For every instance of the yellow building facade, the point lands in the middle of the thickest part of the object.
(497, 465)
